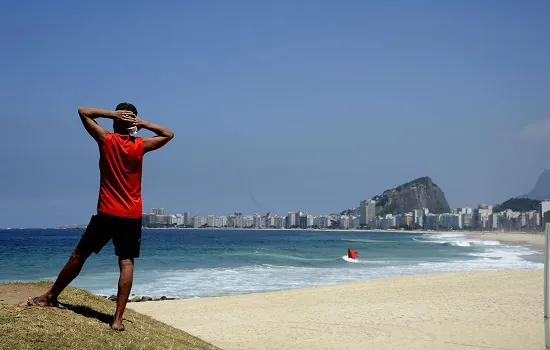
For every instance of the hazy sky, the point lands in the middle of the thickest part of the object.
(301, 105)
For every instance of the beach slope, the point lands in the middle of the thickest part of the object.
(462, 310)
(81, 322)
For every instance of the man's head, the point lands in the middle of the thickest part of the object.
(124, 106)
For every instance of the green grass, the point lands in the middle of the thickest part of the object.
(82, 323)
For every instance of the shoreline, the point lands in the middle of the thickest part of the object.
(450, 310)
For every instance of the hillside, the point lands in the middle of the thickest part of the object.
(416, 194)
(518, 204)
(82, 322)
(541, 191)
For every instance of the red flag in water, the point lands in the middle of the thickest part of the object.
(352, 253)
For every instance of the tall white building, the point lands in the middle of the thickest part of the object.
(544, 208)
(210, 221)
(367, 212)
(495, 220)
(239, 221)
(280, 222)
(418, 217)
(322, 221)
(198, 221)
(344, 222)
(257, 221)
(464, 210)
(248, 221)
(309, 221)
(179, 220)
(481, 216)
(291, 220)
(431, 221)
(157, 211)
(187, 218)
(450, 221)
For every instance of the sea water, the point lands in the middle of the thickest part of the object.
(204, 263)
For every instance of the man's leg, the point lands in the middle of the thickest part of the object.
(66, 276)
(124, 287)
(93, 240)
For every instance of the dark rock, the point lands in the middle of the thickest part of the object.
(163, 298)
(146, 299)
(112, 298)
(136, 299)
(417, 194)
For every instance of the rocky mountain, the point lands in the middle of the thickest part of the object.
(419, 193)
(541, 191)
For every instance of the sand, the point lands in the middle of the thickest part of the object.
(535, 239)
(461, 310)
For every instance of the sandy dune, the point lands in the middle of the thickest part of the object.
(463, 310)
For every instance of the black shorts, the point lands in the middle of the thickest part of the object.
(125, 233)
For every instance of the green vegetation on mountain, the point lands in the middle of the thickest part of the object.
(518, 204)
(422, 181)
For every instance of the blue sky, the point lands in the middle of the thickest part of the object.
(302, 105)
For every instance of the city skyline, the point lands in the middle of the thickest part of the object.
(481, 218)
(276, 105)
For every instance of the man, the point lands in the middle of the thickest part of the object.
(119, 206)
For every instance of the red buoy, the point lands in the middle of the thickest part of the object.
(352, 254)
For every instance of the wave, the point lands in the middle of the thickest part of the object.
(459, 243)
(259, 255)
(348, 259)
(367, 262)
(366, 240)
(444, 235)
(208, 282)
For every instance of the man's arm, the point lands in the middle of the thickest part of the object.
(87, 115)
(164, 135)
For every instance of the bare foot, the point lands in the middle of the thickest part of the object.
(117, 326)
(42, 300)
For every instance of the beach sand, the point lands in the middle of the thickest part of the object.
(535, 239)
(459, 310)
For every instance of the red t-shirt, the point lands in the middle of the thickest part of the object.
(120, 165)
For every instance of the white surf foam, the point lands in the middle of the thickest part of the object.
(454, 239)
(242, 280)
(205, 282)
(348, 259)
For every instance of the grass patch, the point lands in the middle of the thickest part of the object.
(82, 323)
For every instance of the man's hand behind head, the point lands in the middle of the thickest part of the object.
(123, 117)
(139, 123)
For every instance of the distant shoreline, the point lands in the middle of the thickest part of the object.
(341, 230)
(83, 227)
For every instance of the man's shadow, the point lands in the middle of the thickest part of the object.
(90, 313)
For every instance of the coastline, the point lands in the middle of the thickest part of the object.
(456, 310)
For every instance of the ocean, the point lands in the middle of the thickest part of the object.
(206, 263)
